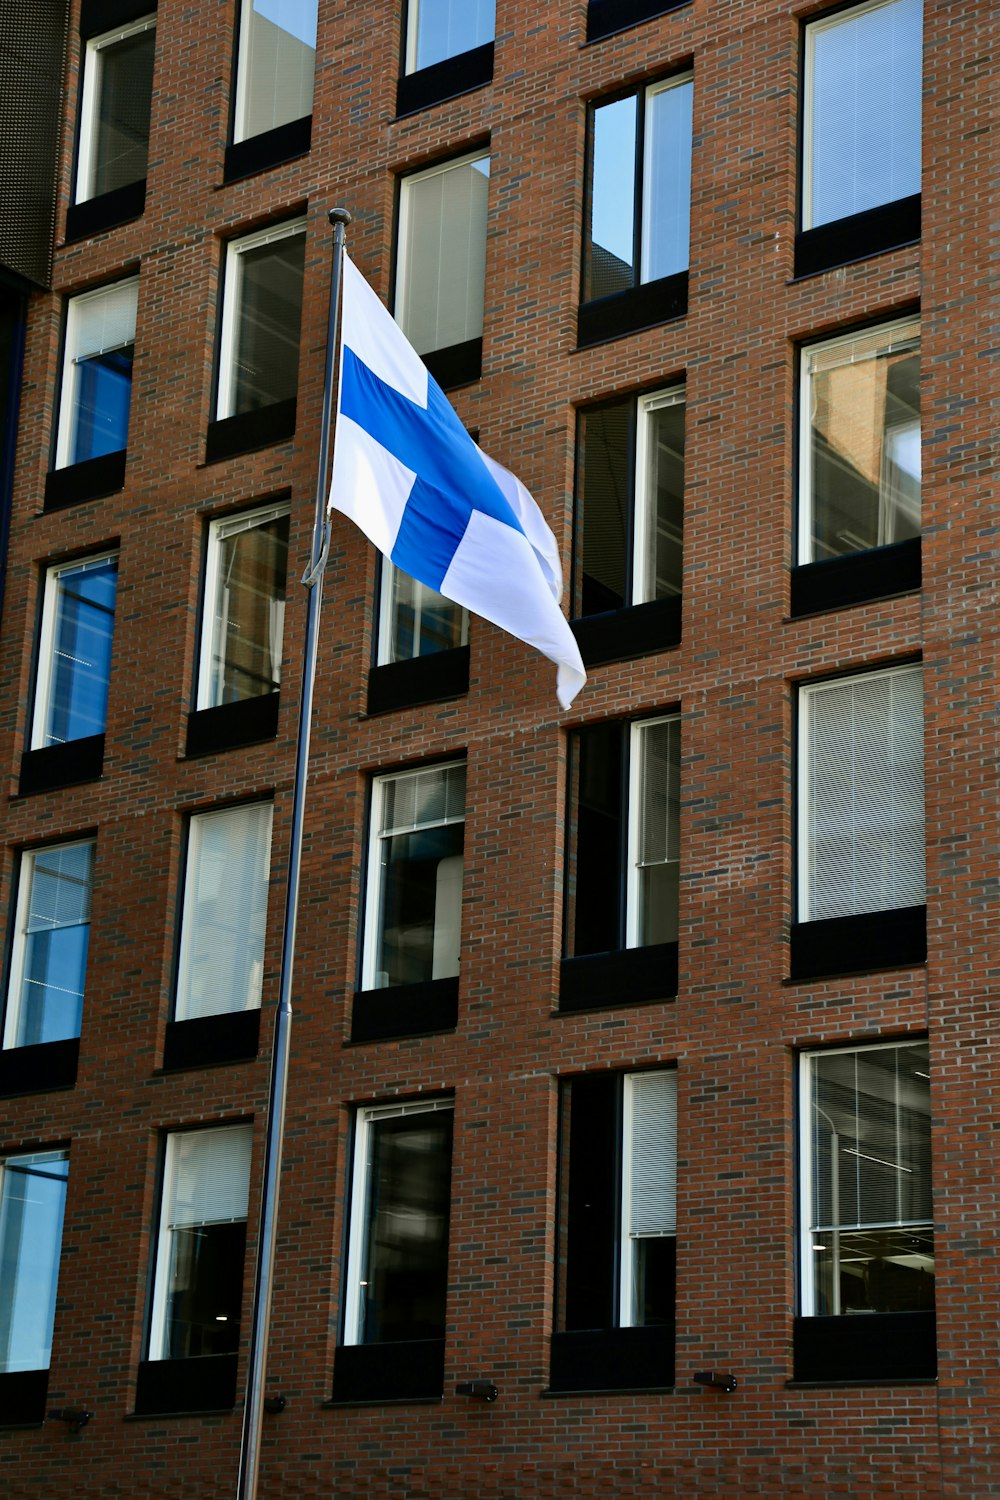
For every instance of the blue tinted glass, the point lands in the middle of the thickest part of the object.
(31, 1217)
(610, 248)
(445, 28)
(103, 392)
(666, 198)
(84, 627)
(56, 935)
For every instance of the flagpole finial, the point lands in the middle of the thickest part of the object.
(340, 216)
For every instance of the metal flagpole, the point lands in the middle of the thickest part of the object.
(256, 1360)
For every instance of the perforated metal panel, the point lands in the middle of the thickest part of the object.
(32, 63)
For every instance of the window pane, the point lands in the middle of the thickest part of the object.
(609, 249)
(247, 615)
(32, 1200)
(660, 505)
(657, 821)
(594, 893)
(221, 964)
(82, 632)
(441, 265)
(604, 504)
(666, 196)
(268, 320)
(405, 1257)
(121, 112)
(47, 981)
(97, 377)
(862, 400)
(864, 796)
(870, 1231)
(276, 65)
(444, 28)
(420, 621)
(863, 87)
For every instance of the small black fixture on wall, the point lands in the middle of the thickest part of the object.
(484, 1389)
(76, 1417)
(719, 1380)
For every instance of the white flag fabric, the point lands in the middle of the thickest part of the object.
(406, 471)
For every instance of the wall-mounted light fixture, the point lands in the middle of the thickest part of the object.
(275, 1404)
(719, 1380)
(76, 1417)
(484, 1389)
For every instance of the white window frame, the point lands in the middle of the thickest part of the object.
(25, 882)
(406, 185)
(162, 1262)
(643, 517)
(46, 639)
(806, 690)
(93, 71)
(649, 93)
(412, 23)
(221, 530)
(898, 336)
(626, 1260)
(39, 1158)
(636, 729)
(243, 84)
(385, 616)
(373, 883)
(232, 299)
(806, 1214)
(68, 391)
(356, 1242)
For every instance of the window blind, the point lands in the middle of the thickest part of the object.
(208, 1175)
(652, 1160)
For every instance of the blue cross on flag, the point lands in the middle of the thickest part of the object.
(407, 472)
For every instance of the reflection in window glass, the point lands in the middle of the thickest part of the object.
(244, 607)
(862, 123)
(437, 29)
(666, 189)
(861, 442)
(117, 94)
(261, 320)
(32, 1201)
(416, 620)
(276, 66)
(867, 1220)
(75, 654)
(45, 999)
(97, 373)
(441, 257)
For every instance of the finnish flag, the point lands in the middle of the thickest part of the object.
(407, 472)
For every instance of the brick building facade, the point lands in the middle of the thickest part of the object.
(713, 1089)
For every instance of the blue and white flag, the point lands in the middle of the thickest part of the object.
(407, 472)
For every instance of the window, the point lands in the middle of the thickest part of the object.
(51, 935)
(859, 463)
(438, 29)
(114, 114)
(638, 210)
(867, 1236)
(623, 866)
(861, 132)
(275, 67)
(244, 606)
(397, 1259)
(259, 344)
(629, 526)
(97, 374)
(74, 652)
(32, 1201)
(415, 620)
(441, 265)
(198, 1275)
(617, 1231)
(861, 807)
(221, 962)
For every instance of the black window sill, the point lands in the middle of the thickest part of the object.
(106, 211)
(633, 976)
(97, 16)
(226, 727)
(613, 1359)
(890, 226)
(176, 1387)
(208, 1041)
(422, 679)
(839, 582)
(61, 765)
(859, 944)
(22, 1397)
(250, 430)
(269, 149)
(637, 630)
(865, 1347)
(410, 1370)
(445, 80)
(605, 17)
(631, 311)
(89, 480)
(39, 1068)
(459, 364)
(400, 1010)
